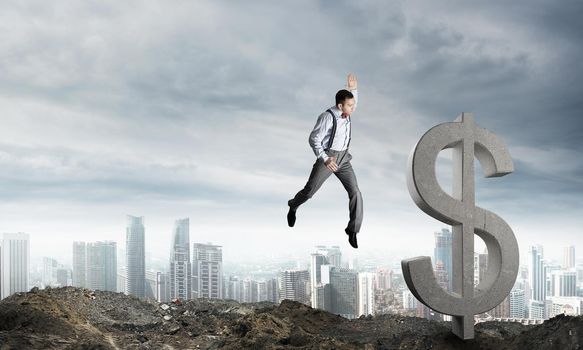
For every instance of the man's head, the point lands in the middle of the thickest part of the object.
(345, 101)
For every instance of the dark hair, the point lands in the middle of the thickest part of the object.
(343, 95)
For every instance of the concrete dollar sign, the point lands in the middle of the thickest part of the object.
(459, 210)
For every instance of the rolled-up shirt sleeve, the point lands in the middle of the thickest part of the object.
(323, 125)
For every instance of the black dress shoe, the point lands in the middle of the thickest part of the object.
(352, 239)
(291, 217)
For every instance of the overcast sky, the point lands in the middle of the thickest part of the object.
(202, 109)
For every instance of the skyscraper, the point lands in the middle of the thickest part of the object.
(246, 291)
(49, 276)
(366, 292)
(537, 310)
(538, 275)
(79, 264)
(537, 282)
(409, 300)
(162, 287)
(323, 296)
(135, 256)
(232, 288)
(180, 267)
(344, 292)
(317, 261)
(564, 283)
(332, 254)
(207, 271)
(293, 285)
(102, 266)
(441, 275)
(384, 279)
(517, 303)
(443, 253)
(151, 286)
(272, 290)
(259, 291)
(110, 265)
(323, 256)
(63, 277)
(480, 267)
(15, 263)
(122, 279)
(569, 261)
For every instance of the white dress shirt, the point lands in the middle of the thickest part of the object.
(320, 136)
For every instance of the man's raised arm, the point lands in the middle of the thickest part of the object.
(352, 86)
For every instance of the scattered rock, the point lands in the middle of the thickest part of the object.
(72, 318)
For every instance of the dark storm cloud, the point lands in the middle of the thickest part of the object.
(533, 86)
(529, 94)
(526, 80)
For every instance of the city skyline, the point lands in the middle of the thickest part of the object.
(163, 252)
(346, 287)
(326, 281)
(203, 110)
(152, 263)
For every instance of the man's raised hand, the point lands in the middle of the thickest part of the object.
(351, 82)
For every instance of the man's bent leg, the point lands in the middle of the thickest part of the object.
(317, 177)
(346, 175)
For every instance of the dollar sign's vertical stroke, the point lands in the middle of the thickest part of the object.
(467, 140)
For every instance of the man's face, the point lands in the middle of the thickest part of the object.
(348, 106)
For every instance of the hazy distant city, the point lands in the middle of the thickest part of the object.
(324, 279)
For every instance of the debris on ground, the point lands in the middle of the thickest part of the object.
(78, 318)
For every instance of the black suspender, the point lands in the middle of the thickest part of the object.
(349, 132)
(334, 130)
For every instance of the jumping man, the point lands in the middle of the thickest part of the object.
(329, 141)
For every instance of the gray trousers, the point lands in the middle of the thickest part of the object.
(345, 174)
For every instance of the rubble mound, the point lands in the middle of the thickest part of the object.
(76, 318)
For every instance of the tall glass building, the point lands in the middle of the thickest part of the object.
(135, 256)
(569, 257)
(538, 273)
(293, 285)
(180, 268)
(14, 263)
(323, 257)
(443, 253)
(49, 276)
(517, 303)
(102, 266)
(207, 271)
(366, 293)
(538, 283)
(344, 292)
(79, 264)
